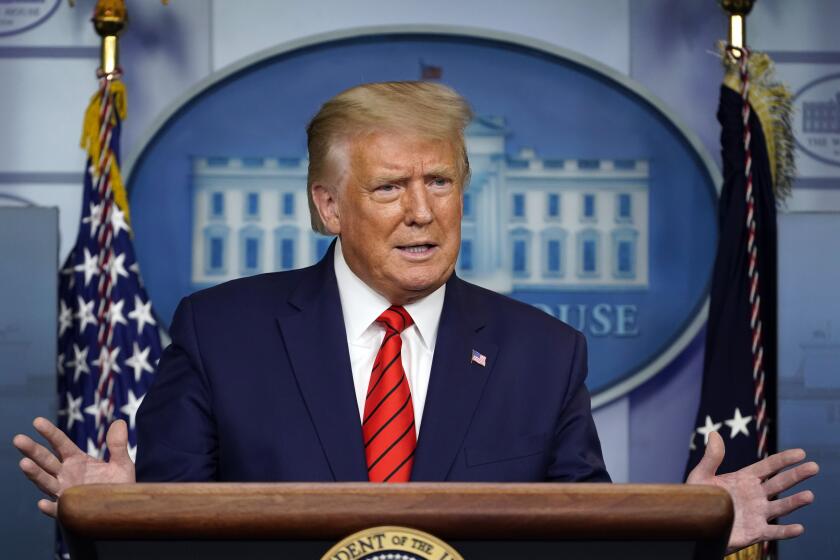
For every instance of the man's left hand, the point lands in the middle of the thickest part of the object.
(754, 490)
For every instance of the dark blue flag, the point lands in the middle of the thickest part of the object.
(738, 397)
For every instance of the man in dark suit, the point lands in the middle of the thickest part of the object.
(277, 342)
(379, 363)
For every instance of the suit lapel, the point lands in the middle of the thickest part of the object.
(455, 385)
(313, 331)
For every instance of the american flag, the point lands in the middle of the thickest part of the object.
(478, 358)
(430, 72)
(108, 340)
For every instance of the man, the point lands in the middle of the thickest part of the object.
(378, 363)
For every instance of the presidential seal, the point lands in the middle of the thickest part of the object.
(391, 543)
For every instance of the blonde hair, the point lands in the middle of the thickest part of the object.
(427, 109)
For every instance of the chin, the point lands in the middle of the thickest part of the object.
(427, 282)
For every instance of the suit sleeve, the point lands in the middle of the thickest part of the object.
(576, 450)
(176, 432)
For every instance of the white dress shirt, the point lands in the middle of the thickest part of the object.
(361, 306)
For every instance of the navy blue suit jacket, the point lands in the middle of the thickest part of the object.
(257, 386)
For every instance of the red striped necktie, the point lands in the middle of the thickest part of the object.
(388, 425)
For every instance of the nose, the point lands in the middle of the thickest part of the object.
(417, 205)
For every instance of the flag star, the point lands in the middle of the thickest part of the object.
(132, 453)
(92, 449)
(142, 313)
(69, 272)
(738, 424)
(708, 429)
(130, 408)
(79, 363)
(691, 444)
(139, 362)
(98, 409)
(115, 313)
(85, 313)
(107, 361)
(74, 410)
(94, 219)
(118, 222)
(117, 268)
(60, 364)
(65, 318)
(90, 267)
(135, 268)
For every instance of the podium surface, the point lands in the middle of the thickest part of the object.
(222, 520)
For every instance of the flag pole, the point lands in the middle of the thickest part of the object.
(107, 330)
(736, 50)
(740, 360)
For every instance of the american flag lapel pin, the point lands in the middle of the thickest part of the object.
(478, 358)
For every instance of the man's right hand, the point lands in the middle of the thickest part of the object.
(54, 472)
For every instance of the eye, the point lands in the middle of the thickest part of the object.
(440, 182)
(385, 188)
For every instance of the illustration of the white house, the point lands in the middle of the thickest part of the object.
(821, 116)
(529, 223)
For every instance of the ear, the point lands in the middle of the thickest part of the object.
(326, 202)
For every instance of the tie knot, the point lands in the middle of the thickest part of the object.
(395, 318)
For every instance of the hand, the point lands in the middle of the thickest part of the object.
(55, 474)
(754, 489)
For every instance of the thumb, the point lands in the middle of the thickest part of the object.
(708, 465)
(117, 440)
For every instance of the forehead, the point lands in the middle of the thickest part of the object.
(393, 152)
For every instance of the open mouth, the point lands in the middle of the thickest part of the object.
(417, 249)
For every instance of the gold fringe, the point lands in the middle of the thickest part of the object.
(754, 552)
(772, 102)
(90, 138)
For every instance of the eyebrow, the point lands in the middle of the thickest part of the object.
(441, 171)
(438, 171)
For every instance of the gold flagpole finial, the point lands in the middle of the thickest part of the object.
(109, 19)
(738, 11)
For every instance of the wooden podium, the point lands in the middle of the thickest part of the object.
(481, 521)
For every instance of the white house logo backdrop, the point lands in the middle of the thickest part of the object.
(817, 119)
(17, 16)
(585, 200)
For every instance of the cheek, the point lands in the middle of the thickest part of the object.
(451, 222)
(362, 221)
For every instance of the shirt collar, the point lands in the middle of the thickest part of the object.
(361, 304)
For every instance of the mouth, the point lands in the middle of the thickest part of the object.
(417, 250)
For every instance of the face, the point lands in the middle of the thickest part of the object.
(398, 211)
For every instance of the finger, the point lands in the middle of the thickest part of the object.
(781, 532)
(789, 478)
(712, 458)
(42, 456)
(117, 440)
(784, 506)
(775, 463)
(48, 507)
(45, 482)
(59, 441)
